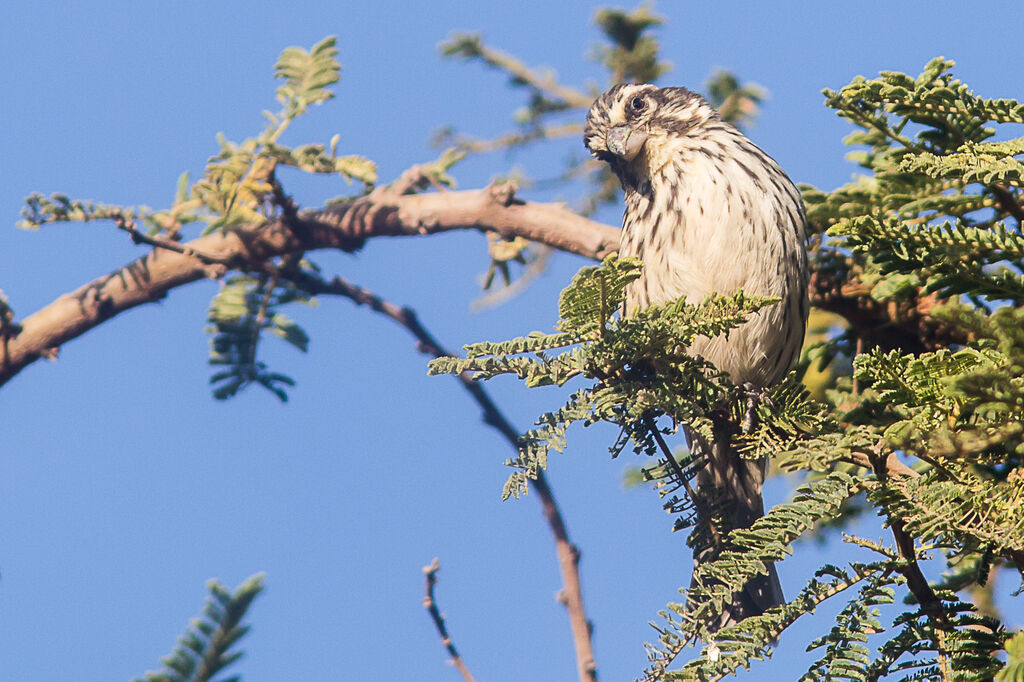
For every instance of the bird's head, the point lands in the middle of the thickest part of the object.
(630, 126)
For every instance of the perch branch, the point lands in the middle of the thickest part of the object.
(346, 226)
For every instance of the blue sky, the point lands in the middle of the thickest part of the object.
(124, 486)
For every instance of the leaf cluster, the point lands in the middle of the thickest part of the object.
(638, 368)
(930, 214)
(241, 189)
(208, 645)
(243, 309)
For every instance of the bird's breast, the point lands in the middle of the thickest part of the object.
(719, 223)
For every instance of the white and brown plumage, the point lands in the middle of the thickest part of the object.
(708, 212)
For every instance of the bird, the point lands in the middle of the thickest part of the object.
(707, 211)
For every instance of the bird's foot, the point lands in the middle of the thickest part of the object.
(755, 395)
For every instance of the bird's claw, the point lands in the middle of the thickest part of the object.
(755, 395)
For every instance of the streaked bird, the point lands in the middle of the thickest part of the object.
(707, 211)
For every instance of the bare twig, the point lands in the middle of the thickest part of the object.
(699, 502)
(430, 604)
(891, 463)
(539, 79)
(535, 269)
(412, 180)
(670, 459)
(261, 316)
(289, 209)
(161, 242)
(568, 554)
(515, 138)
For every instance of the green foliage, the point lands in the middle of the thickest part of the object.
(960, 649)
(751, 549)
(922, 418)
(208, 645)
(587, 304)
(244, 308)
(633, 53)
(60, 208)
(306, 75)
(239, 186)
(638, 362)
(736, 102)
(937, 256)
(846, 653)
(1014, 670)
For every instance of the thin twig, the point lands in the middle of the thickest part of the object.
(568, 554)
(160, 242)
(917, 583)
(261, 316)
(289, 209)
(652, 426)
(891, 464)
(537, 267)
(698, 502)
(516, 138)
(435, 614)
(545, 83)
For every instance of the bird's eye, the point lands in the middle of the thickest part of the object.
(638, 103)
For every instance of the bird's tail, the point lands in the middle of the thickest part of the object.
(730, 487)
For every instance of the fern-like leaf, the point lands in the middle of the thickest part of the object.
(307, 75)
(209, 645)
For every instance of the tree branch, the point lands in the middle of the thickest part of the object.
(346, 226)
(568, 554)
(390, 213)
(917, 583)
(162, 242)
(430, 604)
(1007, 201)
(906, 324)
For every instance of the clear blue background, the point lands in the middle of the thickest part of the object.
(124, 486)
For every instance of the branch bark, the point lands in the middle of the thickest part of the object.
(346, 226)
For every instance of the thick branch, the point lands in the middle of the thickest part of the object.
(568, 554)
(346, 226)
(906, 324)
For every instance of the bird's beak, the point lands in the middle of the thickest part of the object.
(625, 141)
